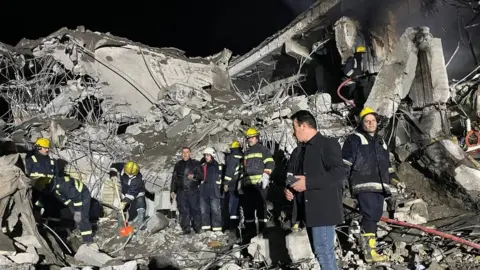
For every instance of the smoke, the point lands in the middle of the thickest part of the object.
(298, 6)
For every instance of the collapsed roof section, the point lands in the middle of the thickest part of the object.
(133, 76)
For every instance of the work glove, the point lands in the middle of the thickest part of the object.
(77, 216)
(265, 180)
(225, 188)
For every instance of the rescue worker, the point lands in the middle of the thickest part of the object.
(132, 191)
(74, 194)
(211, 192)
(257, 168)
(358, 88)
(370, 174)
(186, 177)
(231, 184)
(41, 168)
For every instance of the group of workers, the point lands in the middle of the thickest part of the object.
(201, 186)
(53, 187)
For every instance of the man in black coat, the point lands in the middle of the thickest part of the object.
(321, 182)
(187, 176)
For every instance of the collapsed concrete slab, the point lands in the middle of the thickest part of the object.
(91, 256)
(397, 75)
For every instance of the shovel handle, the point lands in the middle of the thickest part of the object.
(119, 199)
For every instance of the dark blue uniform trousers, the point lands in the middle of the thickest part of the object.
(371, 208)
(211, 209)
(85, 226)
(188, 202)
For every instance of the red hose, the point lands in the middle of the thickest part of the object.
(431, 231)
(340, 95)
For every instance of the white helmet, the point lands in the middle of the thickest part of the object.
(209, 151)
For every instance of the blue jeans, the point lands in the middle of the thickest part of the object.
(323, 242)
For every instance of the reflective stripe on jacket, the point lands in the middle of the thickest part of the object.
(368, 163)
(70, 191)
(131, 187)
(257, 160)
(233, 169)
(38, 166)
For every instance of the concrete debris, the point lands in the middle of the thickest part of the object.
(104, 99)
(91, 256)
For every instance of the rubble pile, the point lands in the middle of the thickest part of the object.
(104, 99)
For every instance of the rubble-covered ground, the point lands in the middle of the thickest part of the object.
(103, 99)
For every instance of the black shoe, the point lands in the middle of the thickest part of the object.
(187, 232)
(197, 231)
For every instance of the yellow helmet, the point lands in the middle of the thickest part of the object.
(251, 132)
(235, 144)
(365, 111)
(43, 142)
(131, 168)
(361, 49)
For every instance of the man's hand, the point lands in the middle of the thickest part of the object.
(122, 205)
(288, 194)
(225, 188)
(190, 176)
(300, 185)
(401, 187)
(172, 196)
(77, 216)
(265, 180)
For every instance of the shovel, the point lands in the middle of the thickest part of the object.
(125, 230)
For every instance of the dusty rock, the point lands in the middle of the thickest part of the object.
(28, 240)
(157, 223)
(6, 245)
(321, 103)
(91, 256)
(299, 239)
(133, 129)
(414, 212)
(29, 257)
(179, 127)
(230, 266)
(131, 265)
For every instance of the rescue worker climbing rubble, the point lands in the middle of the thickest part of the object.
(211, 192)
(370, 174)
(132, 191)
(258, 164)
(358, 88)
(73, 193)
(41, 168)
(233, 168)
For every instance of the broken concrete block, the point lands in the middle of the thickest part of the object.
(345, 37)
(297, 51)
(179, 127)
(414, 212)
(29, 257)
(6, 245)
(294, 241)
(182, 112)
(395, 78)
(27, 241)
(157, 223)
(131, 265)
(4, 261)
(134, 129)
(298, 103)
(91, 256)
(321, 103)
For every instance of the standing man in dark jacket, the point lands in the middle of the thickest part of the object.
(370, 174)
(132, 191)
(258, 165)
(295, 167)
(211, 192)
(230, 184)
(321, 182)
(186, 178)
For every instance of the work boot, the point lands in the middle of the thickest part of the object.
(369, 244)
(140, 218)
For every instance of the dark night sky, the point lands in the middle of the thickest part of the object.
(198, 27)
